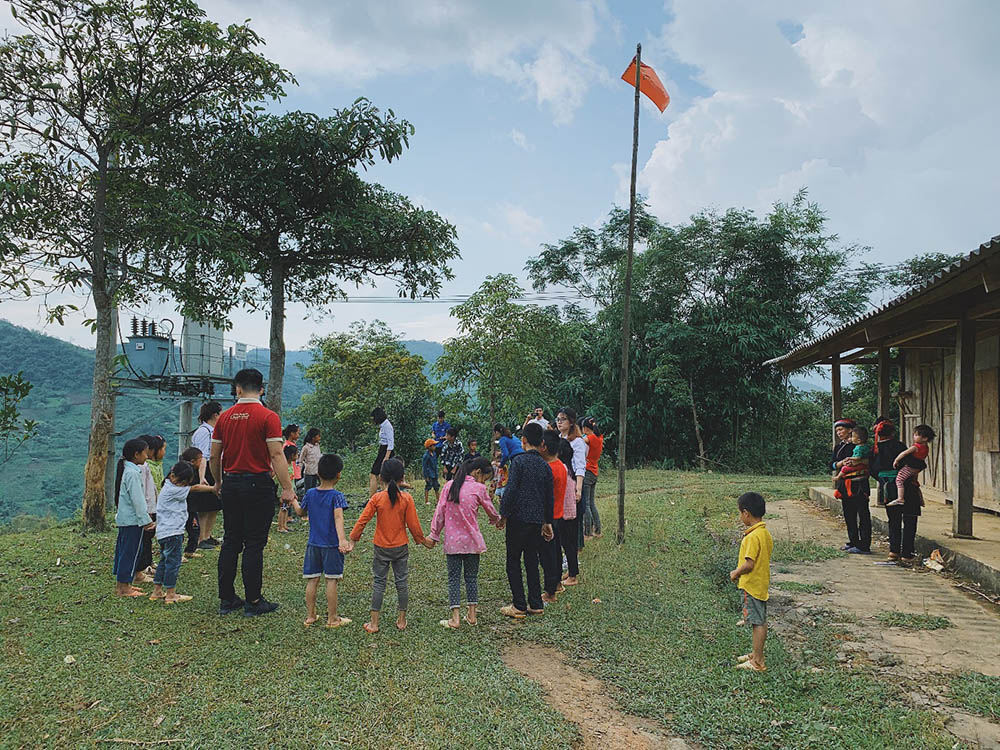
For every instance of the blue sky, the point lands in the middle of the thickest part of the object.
(886, 111)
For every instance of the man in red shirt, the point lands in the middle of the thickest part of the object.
(247, 446)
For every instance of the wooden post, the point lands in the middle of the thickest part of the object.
(835, 392)
(964, 427)
(884, 400)
(627, 308)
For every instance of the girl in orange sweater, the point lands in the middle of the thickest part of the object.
(394, 512)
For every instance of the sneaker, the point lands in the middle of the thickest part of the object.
(231, 606)
(847, 547)
(261, 607)
(206, 545)
(213, 541)
(858, 551)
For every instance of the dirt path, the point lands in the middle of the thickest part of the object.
(921, 661)
(583, 701)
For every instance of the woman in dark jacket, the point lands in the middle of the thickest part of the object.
(902, 519)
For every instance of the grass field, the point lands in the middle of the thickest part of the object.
(663, 638)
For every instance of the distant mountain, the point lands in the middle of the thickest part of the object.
(809, 385)
(45, 477)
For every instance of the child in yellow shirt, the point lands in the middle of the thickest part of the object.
(753, 576)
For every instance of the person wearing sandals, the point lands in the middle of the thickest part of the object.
(171, 519)
(753, 576)
(456, 515)
(132, 518)
(394, 513)
(527, 506)
(206, 504)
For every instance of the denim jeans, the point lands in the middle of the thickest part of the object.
(591, 518)
(170, 561)
(248, 509)
(456, 564)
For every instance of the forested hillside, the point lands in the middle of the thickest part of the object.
(45, 476)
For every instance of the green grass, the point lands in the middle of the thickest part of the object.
(910, 621)
(803, 588)
(662, 638)
(977, 693)
(787, 551)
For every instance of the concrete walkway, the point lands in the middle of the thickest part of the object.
(977, 559)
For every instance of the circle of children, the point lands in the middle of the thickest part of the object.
(544, 480)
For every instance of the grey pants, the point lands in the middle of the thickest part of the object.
(398, 558)
(591, 518)
(455, 564)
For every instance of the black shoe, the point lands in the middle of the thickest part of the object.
(206, 545)
(225, 607)
(213, 541)
(261, 607)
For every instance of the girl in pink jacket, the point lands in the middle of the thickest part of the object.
(457, 516)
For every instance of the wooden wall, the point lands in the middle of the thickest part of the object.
(929, 398)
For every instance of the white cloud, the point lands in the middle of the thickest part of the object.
(540, 47)
(519, 138)
(886, 111)
(521, 225)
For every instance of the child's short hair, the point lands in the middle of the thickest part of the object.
(453, 431)
(183, 472)
(924, 431)
(473, 441)
(440, 415)
(191, 454)
(291, 451)
(551, 440)
(533, 434)
(752, 503)
(861, 432)
(330, 465)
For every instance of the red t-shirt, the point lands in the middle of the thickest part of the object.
(558, 487)
(244, 430)
(922, 449)
(595, 444)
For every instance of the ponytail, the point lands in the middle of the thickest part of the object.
(392, 475)
(129, 450)
(479, 463)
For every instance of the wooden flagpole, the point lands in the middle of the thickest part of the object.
(627, 309)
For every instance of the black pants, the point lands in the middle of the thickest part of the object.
(858, 517)
(191, 527)
(524, 539)
(902, 530)
(248, 505)
(550, 556)
(146, 553)
(568, 531)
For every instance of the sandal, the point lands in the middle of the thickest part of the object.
(369, 628)
(536, 611)
(511, 611)
(469, 622)
(743, 658)
(178, 599)
(447, 624)
(340, 621)
(749, 666)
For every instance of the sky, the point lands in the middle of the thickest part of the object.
(886, 111)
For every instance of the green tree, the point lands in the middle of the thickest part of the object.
(504, 351)
(919, 270)
(90, 95)
(302, 221)
(352, 373)
(14, 431)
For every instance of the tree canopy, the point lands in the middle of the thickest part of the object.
(91, 98)
(285, 193)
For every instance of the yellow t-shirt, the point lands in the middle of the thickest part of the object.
(756, 545)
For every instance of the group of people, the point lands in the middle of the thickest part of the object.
(544, 481)
(895, 468)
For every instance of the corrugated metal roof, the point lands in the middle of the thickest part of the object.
(987, 248)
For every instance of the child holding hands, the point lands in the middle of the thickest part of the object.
(395, 514)
(171, 518)
(456, 515)
(753, 576)
(327, 542)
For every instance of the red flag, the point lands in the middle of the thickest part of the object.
(649, 84)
